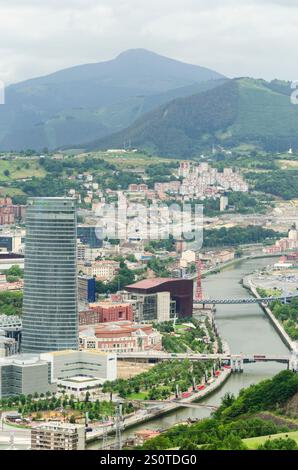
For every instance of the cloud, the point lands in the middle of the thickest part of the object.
(235, 37)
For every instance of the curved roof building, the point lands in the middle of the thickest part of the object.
(181, 290)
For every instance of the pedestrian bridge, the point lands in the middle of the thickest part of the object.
(186, 404)
(245, 300)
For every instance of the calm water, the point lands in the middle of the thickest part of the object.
(245, 328)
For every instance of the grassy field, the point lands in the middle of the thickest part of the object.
(20, 168)
(288, 164)
(253, 442)
(138, 396)
(129, 160)
(10, 192)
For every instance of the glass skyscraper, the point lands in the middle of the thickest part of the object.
(50, 305)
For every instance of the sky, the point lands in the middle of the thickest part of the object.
(234, 37)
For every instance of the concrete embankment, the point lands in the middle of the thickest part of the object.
(249, 284)
(167, 408)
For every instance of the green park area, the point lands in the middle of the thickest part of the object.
(187, 336)
(254, 442)
(160, 382)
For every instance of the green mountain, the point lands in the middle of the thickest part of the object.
(90, 101)
(239, 111)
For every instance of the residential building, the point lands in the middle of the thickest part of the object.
(6, 211)
(58, 436)
(11, 242)
(223, 203)
(103, 270)
(86, 289)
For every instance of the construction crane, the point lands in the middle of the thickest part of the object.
(199, 291)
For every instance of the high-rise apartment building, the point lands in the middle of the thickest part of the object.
(58, 436)
(50, 306)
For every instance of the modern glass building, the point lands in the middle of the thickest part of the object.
(50, 305)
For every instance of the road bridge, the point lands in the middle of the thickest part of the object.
(236, 361)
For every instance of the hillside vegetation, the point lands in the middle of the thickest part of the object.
(237, 419)
(90, 101)
(240, 112)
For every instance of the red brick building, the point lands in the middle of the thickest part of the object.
(105, 312)
(120, 337)
(6, 211)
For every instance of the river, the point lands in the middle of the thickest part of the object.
(246, 329)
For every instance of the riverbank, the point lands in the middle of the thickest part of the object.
(234, 262)
(168, 408)
(249, 284)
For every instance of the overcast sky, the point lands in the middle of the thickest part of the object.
(235, 37)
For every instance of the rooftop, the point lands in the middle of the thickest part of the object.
(149, 283)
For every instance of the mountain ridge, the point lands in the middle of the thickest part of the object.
(240, 111)
(71, 106)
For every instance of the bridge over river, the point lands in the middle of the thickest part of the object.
(236, 361)
(245, 300)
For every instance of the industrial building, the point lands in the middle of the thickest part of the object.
(177, 293)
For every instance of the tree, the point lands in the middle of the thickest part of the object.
(279, 444)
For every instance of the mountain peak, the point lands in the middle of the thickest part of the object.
(137, 52)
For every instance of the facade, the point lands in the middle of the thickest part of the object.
(106, 312)
(6, 211)
(90, 236)
(8, 346)
(58, 436)
(11, 242)
(152, 307)
(103, 270)
(7, 260)
(50, 310)
(120, 337)
(86, 289)
(180, 292)
(11, 328)
(69, 364)
(10, 212)
(223, 203)
(25, 374)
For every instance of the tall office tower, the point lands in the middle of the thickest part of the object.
(50, 306)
